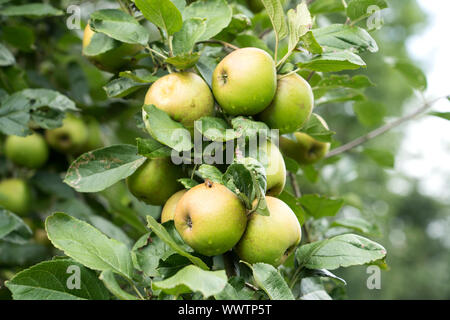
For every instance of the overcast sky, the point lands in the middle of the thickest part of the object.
(425, 153)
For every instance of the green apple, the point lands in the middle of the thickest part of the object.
(168, 211)
(210, 218)
(270, 239)
(184, 96)
(155, 181)
(292, 105)
(71, 137)
(272, 160)
(303, 148)
(15, 196)
(113, 60)
(245, 81)
(255, 5)
(30, 151)
(95, 140)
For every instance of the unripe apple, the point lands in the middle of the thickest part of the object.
(304, 149)
(245, 81)
(155, 181)
(15, 196)
(70, 138)
(184, 96)
(210, 218)
(272, 160)
(168, 211)
(95, 140)
(270, 239)
(30, 151)
(114, 59)
(292, 105)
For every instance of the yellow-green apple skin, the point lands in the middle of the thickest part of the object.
(30, 151)
(168, 211)
(184, 96)
(113, 60)
(210, 218)
(275, 168)
(155, 181)
(15, 196)
(245, 81)
(270, 239)
(292, 105)
(70, 138)
(303, 148)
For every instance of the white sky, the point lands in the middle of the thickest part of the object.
(425, 152)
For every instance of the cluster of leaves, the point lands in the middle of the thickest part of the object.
(157, 263)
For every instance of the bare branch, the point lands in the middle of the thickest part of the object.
(383, 129)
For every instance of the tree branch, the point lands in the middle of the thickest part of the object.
(223, 43)
(295, 186)
(383, 129)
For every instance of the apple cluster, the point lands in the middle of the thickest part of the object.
(209, 217)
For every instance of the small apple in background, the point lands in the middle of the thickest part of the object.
(30, 151)
(184, 96)
(71, 137)
(245, 81)
(95, 139)
(210, 218)
(272, 160)
(15, 196)
(114, 59)
(303, 148)
(155, 181)
(270, 239)
(168, 211)
(292, 105)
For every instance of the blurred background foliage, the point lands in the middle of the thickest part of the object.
(413, 227)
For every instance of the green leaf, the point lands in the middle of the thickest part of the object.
(248, 40)
(443, 115)
(47, 98)
(334, 62)
(163, 13)
(6, 57)
(193, 279)
(24, 254)
(235, 289)
(413, 74)
(20, 37)
(185, 39)
(215, 129)
(299, 23)
(111, 284)
(336, 81)
(321, 273)
(217, 15)
(370, 113)
(100, 43)
(310, 43)
(275, 12)
(359, 9)
(87, 245)
(294, 204)
(340, 95)
(50, 280)
(383, 157)
(317, 129)
(188, 183)
(162, 233)
(359, 225)
(271, 281)
(313, 289)
(150, 148)
(247, 128)
(147, 253)
(326, 6)
(165, 130)
(184, 61)
(139, 75)
(99, 169)
(119, 25)
(210, 172)
(12, 228)
(320, 206)
(311, 173)
(343, 37)
(340, 251)
(14, 115)
(34, 10)
(122, 87)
